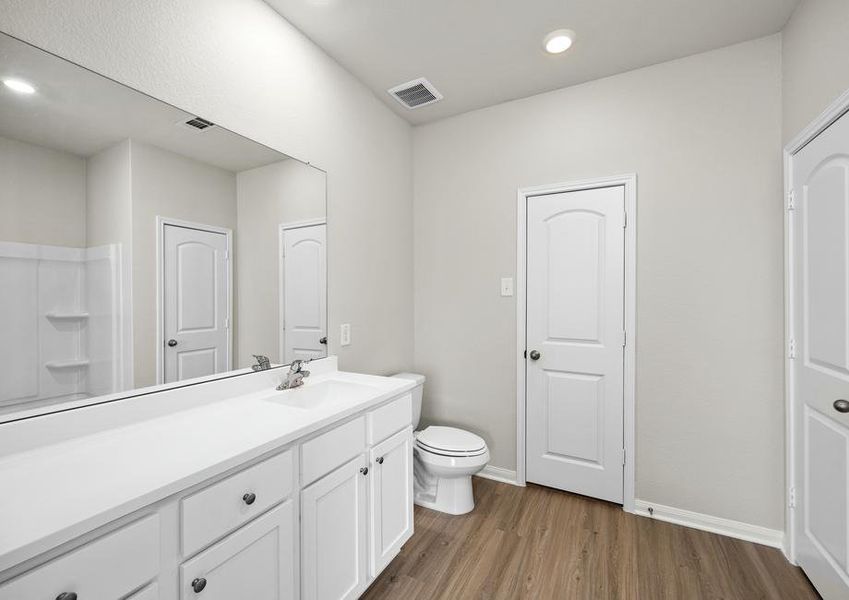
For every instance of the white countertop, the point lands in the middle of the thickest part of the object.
(52, 494)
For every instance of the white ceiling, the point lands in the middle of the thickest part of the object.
(81, 112)
(482, 52)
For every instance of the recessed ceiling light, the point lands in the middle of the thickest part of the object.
(559, 41)
(22, 87)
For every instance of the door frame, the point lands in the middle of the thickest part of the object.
(835, 111)
(281, 279)
(629, 182)
(161, 223)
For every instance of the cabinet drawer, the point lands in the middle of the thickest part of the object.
(107, 568)
(324, 453)
(222, 507)
(390, 418)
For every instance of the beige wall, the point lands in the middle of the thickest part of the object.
(703, 135)
(815, 61)
(240, 64)
(267, 196)
(167, 185)
(108, 210)
(42, 195)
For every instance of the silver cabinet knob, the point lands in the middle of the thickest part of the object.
(534, 354)
(364, 470)
(379, 460)
(841, 406)
(172, 343)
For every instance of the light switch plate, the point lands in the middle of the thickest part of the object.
(345, 334)
(506, 286)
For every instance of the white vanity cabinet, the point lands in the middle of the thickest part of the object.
(317, 518)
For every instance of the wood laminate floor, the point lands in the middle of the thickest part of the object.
(536, 542)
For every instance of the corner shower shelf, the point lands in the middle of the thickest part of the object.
(68, 364)
(67, 316)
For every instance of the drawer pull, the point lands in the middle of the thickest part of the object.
(364, 470)
(380, 460)
(198, 585)
(67, 596)
(249, 498)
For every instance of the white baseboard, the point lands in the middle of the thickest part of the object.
(499, 474)
(735, 529)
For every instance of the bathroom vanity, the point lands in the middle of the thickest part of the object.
(224, 489)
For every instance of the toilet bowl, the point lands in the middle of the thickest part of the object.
(445, 458)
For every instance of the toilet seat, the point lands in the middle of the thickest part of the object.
(450, 441)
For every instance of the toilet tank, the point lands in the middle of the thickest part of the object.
(417, 394)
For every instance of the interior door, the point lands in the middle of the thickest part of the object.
(391, 498)
(196, 303)
(820, 280)
(575, 338)
(333, 534)
(304, 293)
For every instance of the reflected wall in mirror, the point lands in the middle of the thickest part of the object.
(140, 244)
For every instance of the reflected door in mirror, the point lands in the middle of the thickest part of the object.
(196, 302)
(304, 291)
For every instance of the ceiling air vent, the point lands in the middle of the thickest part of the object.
(415, 94)
(197, 123)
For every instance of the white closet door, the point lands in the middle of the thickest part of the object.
(196, 303)
(820, 182)
(304, 293)
(575, 335)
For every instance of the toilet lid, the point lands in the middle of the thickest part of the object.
(450, 439)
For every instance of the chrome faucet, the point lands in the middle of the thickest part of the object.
(295, 376)
(262, 363)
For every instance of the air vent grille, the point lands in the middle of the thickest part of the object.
(199, 123)
(415, 94)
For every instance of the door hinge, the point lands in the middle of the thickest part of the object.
(791, 497)
(623, 456)
(526, 353)
(226, 323)
(791, 348)
(624, 338)
(791, 200)
(625, 223)
(226, 255)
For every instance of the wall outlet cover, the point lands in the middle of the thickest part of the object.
(345, 334)
(506, 286)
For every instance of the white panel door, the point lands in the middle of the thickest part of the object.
(575, 336)
(820, 183)
(333, 534)
(196, 303)
(256, 562)
(304, 293)
(391, 498)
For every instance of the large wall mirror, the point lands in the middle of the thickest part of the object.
(143, 245)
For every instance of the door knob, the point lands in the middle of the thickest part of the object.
(198, 585)
(841, 406)
(364, 470)
(172, 343)
(534, 354)
(323, 340)
(249, 498)
(379, 461)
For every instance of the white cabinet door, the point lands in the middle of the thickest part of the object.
(333, 534)
(256, 562)
(391, 498)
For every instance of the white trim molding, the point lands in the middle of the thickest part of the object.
(499, 474)
(728, 527)
(831, 114)
(629, 182)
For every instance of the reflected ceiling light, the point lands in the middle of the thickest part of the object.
(559, 41)
(22, 87)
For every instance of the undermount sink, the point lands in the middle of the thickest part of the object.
(324, 393)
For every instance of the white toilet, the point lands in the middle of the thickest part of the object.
(445, 459)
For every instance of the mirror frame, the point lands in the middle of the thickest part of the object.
(20, 412)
